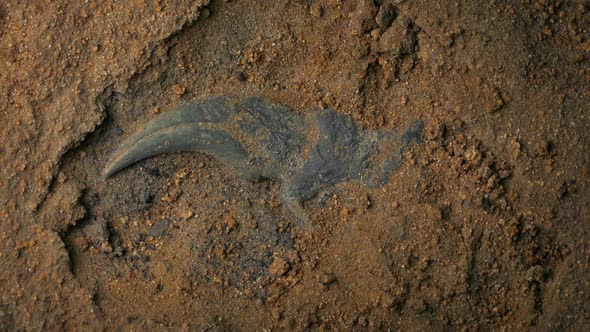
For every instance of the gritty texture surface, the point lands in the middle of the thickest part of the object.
(485, 225)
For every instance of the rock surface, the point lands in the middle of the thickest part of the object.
(484, 226)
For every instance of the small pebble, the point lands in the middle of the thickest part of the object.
(178, 89)
(316, 10)
(279, 267)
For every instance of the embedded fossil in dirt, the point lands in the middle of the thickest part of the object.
(260, 139)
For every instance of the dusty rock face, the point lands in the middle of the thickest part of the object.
(484, 226)
(60, 62)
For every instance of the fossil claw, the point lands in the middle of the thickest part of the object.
(182, 129)
(259, 139)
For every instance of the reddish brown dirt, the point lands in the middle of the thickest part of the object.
(485, 227)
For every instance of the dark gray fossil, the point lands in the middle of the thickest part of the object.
(262, 140)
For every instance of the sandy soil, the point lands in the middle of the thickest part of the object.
(485, 226)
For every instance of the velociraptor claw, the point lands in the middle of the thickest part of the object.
(260, 139)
